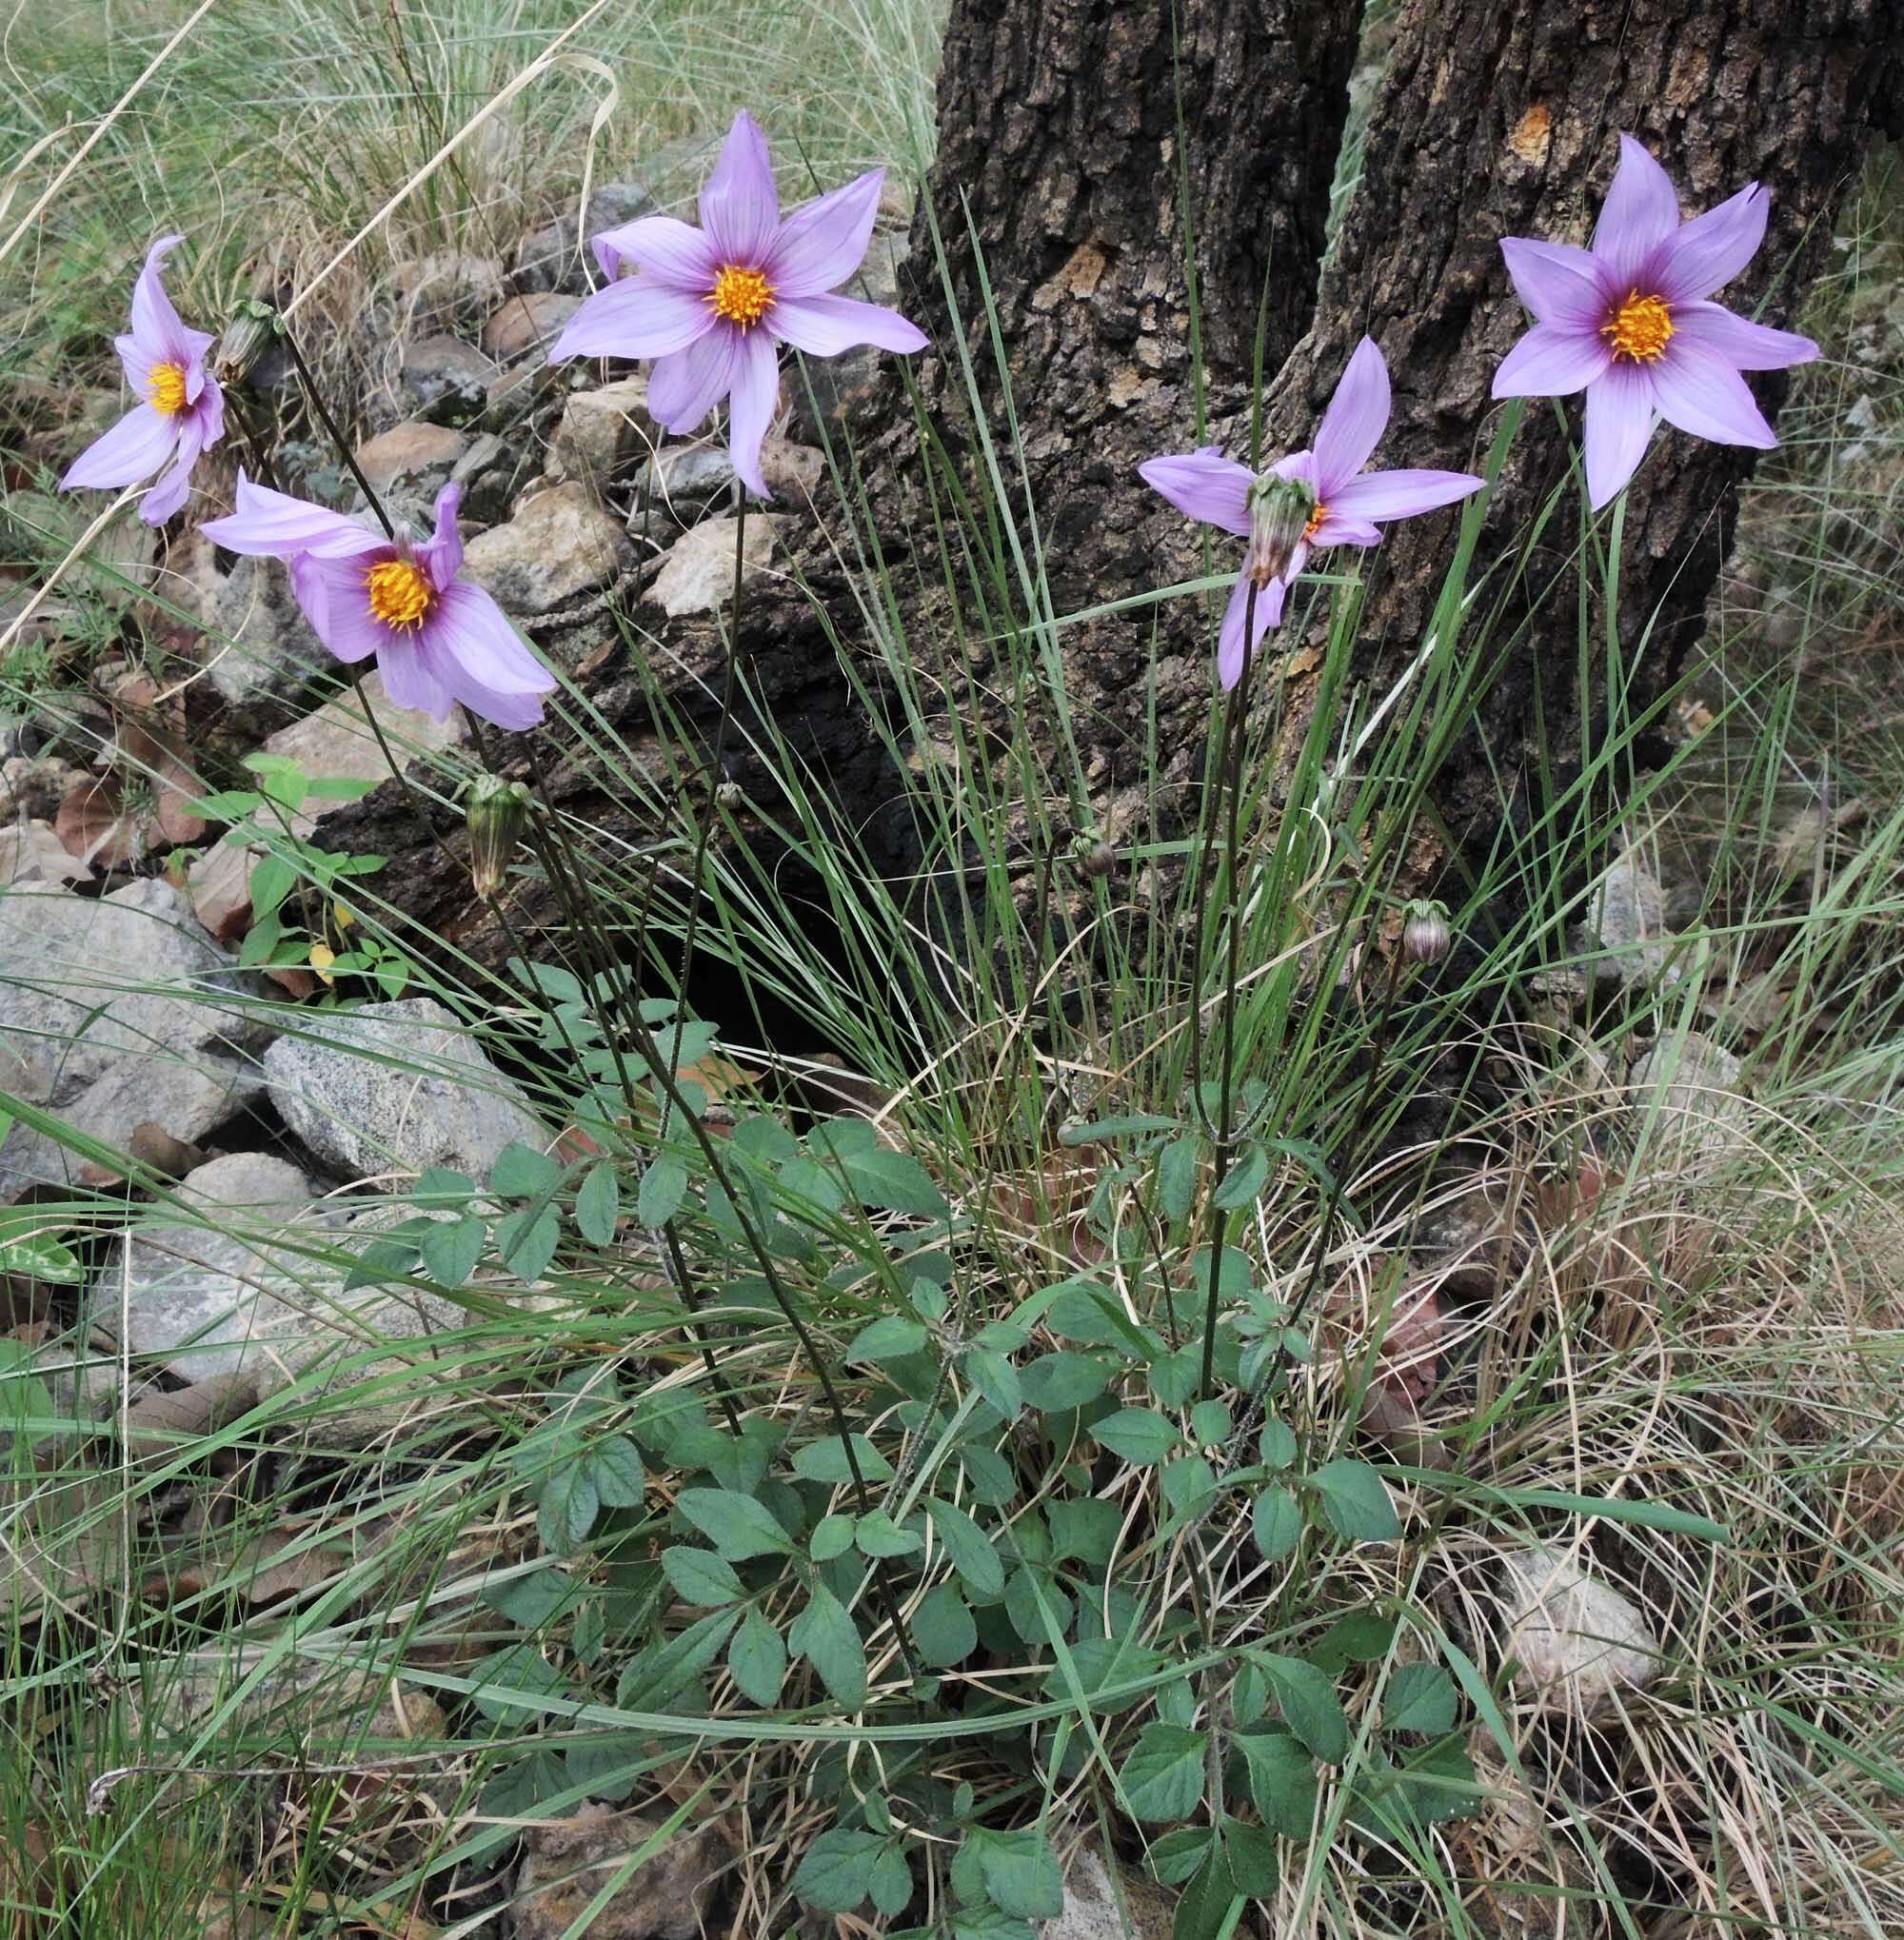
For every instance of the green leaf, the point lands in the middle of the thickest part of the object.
(890, 1337)
(825, 1461)
(970, 1549)
(1250, 1854)
(942, 1628)
(1281, 1780)
(896, 1182)
(1174, 1376)
(526, 1241)
(996, 1379)
(1021, 1871)
(1209, 1422)
(1132, 1125)
(1278, 1519)
(832, 1536)
(880, 1536)
(825, 1634)
(616, 1464)
(757, 1659)
(38, 1255)
(1355, 1501)
(227, 805)
(837, 1873)
(1396, 1799)
(534, 1600)
(452, 1248)
(1361, 1636)
(1056, 1383)
(663, 1188)
(272, 879)
(1087, 1528)
(598, 1202)
(1420, 1698)
(1310, 1704)
(522, 1173)
(568, 1509)
(1163, 1775)
(661, 1673)
(1244, 1182)
(701, 1577)
(1276, 1444)
(1178, 1855)
(609, 1772)
(1176, 1179)
(1203, 1905)
(738, 1526)
(1140, 1436)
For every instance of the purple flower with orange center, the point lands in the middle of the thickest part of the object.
(182, 411)
(711, 305)
(1629, 320)
(1309, 500)
(438, 639)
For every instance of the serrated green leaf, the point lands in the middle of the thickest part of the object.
(1209, 1423)
(970, 1549)
(836, 1875)
(452, 1248)
(1276, 1444)
(1281, 1780)
(523, 1173)
(1250, 1854)
(1163, 1776)
(826, 1635)
(701, 1577)
(568, 1509)
(598, 1203)
(1244, 1182)
(1420, 1698)
(895, 1182)
(1176, 1179)
(1355, 1501)
(1139, 1435)
(1310, 1705)
(739, 1527)
(757, 1659)
(996, 1379)
(1021, 1871)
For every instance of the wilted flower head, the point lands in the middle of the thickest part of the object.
(495, 815)
(1424, 932)
(182, 409)
(438, 639)
(1310, 499)
(711, 304)
(1628, 320)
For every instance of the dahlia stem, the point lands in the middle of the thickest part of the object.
(337, 437)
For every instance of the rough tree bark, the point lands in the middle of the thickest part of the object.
(1497, 117)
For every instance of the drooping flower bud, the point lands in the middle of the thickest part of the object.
(1424, 932)
(1279, 510)
(1095, 856)
(496, 815)
(252, 330)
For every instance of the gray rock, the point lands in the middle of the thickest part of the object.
(560, 545)
(549, 257)
(838, 384)
(681, 479)
(1577, 1640)
(413, 458)
(447, 380)
(528, 323)
(601, 431)
(86, 983)
(185, 1099)
(1626, 924)
(261, 651)
(1701, 1112)
(697, 576)
(566, 1864)
(486, 475)
(34, 786)
(447, 289)
(395, 1087)
(1091, 1911)
(32, 852)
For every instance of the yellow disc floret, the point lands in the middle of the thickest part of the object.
(1315, 519)
(165, 388)
(1639, 330)
(401, 594)
(741, 296)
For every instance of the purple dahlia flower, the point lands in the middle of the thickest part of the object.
(1310, 499)
(183, 412)
(438, 639)
(1629, 320)
(710, 304)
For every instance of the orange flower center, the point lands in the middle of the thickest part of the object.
(165, 388)
(401, 594)
(1315, 519)
(1639, 330)
(741, 296)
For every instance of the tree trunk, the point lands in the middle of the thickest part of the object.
(1498, 118)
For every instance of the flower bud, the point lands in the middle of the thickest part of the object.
(496, 814)
(252, 330)
(1279, 510)
(1424, 932)
(729, 794)
(1096, 856)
